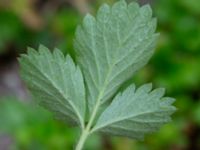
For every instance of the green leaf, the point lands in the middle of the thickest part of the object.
(112, 47)
(55, 82)
(109, 50)
(134, 113)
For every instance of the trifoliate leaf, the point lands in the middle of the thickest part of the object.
(55, 82)
(134, 113)
(112, 47)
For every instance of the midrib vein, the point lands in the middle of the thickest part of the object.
(98, 102)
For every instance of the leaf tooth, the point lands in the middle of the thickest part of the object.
(157, 93)
(31, 51)
(167, 101)
(133, 9)
(69, 59)
(168, 109)
(103, 13)
(22, 58)
(152, 25)
(145, 88)
(131, 88)
(58, 55)
(119, 6)
(88, 21)
(43, 50)
(146, 11)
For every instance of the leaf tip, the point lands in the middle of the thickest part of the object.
(146, 11)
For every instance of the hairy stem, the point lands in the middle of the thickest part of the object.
(88, 129)
(83, 137)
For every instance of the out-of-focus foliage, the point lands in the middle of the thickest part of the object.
(11, 28)
(32, 127)
(175, 66)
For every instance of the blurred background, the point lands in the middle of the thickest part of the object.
(175, 66)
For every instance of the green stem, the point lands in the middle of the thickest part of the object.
(86, 131)
(83, 137)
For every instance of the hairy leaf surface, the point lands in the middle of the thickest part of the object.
(134, 113)
(113, 46)
(55, 82)
(109, 48)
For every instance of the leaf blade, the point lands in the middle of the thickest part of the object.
(55, 82)
(129, 30)
(133, 113)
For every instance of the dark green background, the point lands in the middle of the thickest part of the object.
(175, 66)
